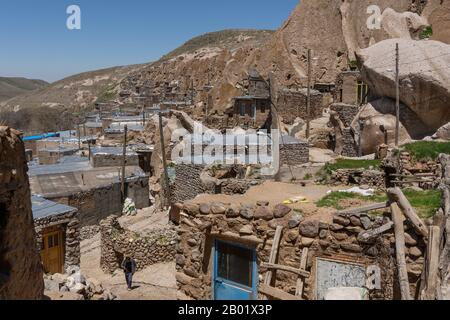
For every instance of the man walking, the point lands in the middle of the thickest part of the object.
(129, 267)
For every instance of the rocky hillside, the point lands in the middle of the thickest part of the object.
(335, 31)
(13, 87)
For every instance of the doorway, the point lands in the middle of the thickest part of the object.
(52, 251)
(234, 272)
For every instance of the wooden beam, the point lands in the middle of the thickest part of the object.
(396, 195)
(412, 181)
(300, 281)
(276, 294)
(397, 217)
(365, 209)
(252, 240)
(280, 267)
(273, 254)
(370, 234)
(432, 264)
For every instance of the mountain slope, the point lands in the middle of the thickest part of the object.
(13, 87)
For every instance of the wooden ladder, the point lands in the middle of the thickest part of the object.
(272, 292)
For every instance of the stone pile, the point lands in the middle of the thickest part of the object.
(78, 285)
(146, 249)
(89, 232)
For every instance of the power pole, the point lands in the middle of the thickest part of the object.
(397, 89)
(79, 137)
(308, 98)
(166, 173)
(124, 162)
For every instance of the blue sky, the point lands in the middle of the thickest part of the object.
(35, 43)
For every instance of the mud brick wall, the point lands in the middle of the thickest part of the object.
(294, 154)
(113, 160)
(255, 225)
(21, 274)
(292, 104)
(156, 247)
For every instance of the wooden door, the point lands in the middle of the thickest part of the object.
(52, 252)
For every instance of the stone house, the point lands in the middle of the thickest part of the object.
(350, 89)
(91, 128)
(292, 104)
(95, 192)
(53, 155)
(112, 157)
(242, 250)
(252, 110)
(58, 236)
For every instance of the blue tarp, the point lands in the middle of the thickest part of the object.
(40, 137)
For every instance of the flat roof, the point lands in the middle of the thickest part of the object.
(43, 208)
(111, 150)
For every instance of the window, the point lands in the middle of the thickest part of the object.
(362, 91)
(242, 110)
(235, 263)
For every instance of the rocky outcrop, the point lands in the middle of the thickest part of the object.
(424, 74)
(20, 267)
(438, 12)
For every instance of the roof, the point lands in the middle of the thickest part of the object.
(43, 208)
(251, 98)
(111, 150)
(92, 124)
(65, 179)
(285, 139)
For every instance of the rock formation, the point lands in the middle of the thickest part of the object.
(424, 74)
(21, 275)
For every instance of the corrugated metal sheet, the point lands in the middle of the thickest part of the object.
(43, 208)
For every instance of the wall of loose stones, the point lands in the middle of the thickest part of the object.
(147, 250)
(294, 154)
(371, 178)
(292, 104)
(256, 224)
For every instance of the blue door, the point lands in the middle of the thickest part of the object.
(235, 272)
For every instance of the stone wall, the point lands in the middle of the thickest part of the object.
(350, 148)
(156, 247)
(254, 226)
(346, 112)
(294, 153)
(292, 104)
(361, 177)
(21, 274)
(346, 87)
(70, 226)
(187, 184)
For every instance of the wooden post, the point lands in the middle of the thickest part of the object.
(396, 195)
(124, 162)
(300, 281)
(166, 187)
(398, 219)
(432, 264)
(397, 101)
(308, 99)
(273, 255)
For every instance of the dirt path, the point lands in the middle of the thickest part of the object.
(156, 282)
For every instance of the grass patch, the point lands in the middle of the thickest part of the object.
(352, 164)
(426, 203)
(427, 150)
(426, 33)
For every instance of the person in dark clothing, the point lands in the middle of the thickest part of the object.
(129, 268)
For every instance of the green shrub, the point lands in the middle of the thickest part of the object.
(426, 33)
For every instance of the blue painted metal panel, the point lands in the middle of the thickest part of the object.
(224, 289)
(40, 137)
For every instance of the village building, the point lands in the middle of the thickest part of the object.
(58, 236)
(95, 192)
(292, 104)
(293, 152)
(53, 155)
(350, 89)
(252, 110)
(92, 128)
(112, 157)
